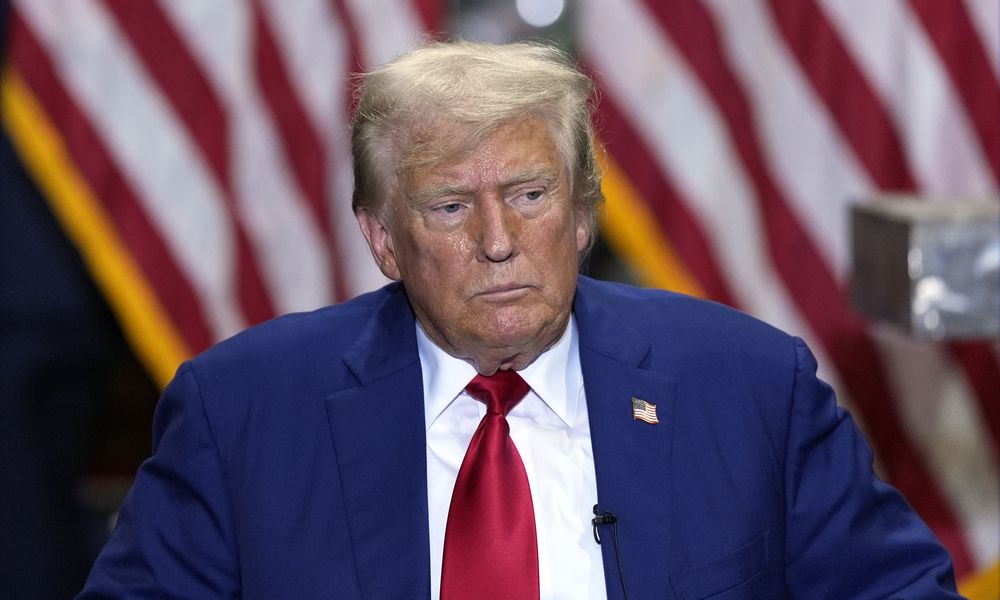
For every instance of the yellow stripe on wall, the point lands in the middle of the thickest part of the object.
(633, 233)
(984, 585)
(143, 319)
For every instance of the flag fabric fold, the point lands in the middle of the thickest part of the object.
(198, 154)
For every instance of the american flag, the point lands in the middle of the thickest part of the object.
(644, 411)
(738, 133)
(197, 155)
(191, 151)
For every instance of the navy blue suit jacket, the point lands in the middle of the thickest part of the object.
(289, 462)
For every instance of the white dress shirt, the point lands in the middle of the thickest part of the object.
(552, 434)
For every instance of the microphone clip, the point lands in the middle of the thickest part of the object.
(606, 517)
(602, 518)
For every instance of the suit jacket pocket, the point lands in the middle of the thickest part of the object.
(723, 573)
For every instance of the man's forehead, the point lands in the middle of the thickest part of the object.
(517, 151)
(513, 146)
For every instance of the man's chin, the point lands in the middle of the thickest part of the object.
(518, 329)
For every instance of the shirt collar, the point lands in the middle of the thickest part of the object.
(444, 376)
(555, 376)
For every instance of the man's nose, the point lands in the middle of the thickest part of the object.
(498, 226)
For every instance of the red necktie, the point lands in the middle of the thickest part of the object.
(490, 549)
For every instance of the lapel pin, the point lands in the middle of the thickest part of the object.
(644, 411)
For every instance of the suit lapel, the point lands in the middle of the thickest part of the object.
(379, 440)
(631, 457)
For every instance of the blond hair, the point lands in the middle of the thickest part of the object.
(469, 89)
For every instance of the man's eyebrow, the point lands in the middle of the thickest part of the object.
(433, 192)
(444, 190)
(546, 174)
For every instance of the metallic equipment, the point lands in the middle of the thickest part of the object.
(930, 268)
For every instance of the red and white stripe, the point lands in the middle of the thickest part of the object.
(751, 127)
(226, 126)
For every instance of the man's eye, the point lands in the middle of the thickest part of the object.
(452, 208)
(533, 195)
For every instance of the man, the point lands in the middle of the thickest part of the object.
(449, 435)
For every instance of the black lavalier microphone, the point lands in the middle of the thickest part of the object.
(602, 518)
(605, 517)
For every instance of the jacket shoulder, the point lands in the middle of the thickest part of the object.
(665, 318)
(329, 330)
(295, 352)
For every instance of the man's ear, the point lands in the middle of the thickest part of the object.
(583, 227)
(379, 242)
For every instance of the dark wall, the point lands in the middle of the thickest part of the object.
(74, 404)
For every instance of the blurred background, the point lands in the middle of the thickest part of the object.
(174, 171)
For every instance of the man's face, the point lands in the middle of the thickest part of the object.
(486, 245)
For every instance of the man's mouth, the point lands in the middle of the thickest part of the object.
(503, 292)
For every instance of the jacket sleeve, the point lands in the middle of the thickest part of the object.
(849, 535)
(174, 536)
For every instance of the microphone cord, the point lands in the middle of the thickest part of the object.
(609, 518)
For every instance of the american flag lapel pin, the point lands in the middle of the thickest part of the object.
(644, 411)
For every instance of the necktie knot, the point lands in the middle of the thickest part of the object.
(500, 392)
